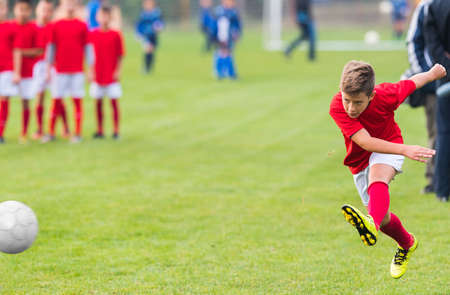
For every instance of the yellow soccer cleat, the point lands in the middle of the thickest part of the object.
(401, 259)
(363, 223)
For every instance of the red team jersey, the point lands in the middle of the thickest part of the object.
(69, 36)
(377, 119)
(43, 38)
(26, 39)
(108, 47)
(7, 35)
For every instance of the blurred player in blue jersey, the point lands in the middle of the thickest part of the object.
(207, 23)
(400, 10)
(307, 27)
(149, 24)
(227, 33)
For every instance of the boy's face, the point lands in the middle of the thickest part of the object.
(228, 3)
(148, 4)
(22, 12)
(103, 18)
(69, 6)
(44, 11)
(3, 10)
(356, 104)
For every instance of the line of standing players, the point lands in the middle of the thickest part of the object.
(49, 54)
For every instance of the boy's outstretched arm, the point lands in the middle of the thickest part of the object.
(435, 73)
(376, 145)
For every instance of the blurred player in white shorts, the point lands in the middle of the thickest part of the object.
(105, 73)
(41, 80)
(25, 53)
(66, 52)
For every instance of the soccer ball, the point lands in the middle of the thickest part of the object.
(372, 38)
(18, 227)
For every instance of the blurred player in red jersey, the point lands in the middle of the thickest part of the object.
(7, 87)
(41, 81)
(105, 73)
(375, 151)
(24, 56)
(66, 52)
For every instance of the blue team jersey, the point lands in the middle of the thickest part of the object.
(92, 7)
(234, 26)
(399, 9)
(149, 22)
(207, 22)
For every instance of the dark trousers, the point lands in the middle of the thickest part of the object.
(308, 32)
(430, 113)
(442, 172)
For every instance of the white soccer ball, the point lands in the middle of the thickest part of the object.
(18, 227)
(372, 38)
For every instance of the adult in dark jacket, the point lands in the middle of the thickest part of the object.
(437, 37)
(307, 29)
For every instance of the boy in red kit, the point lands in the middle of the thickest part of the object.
(375, 150)
(109, 51)
(7, 87)
(24, 54)
(66, 52)
(44, 11)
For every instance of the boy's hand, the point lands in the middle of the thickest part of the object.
(91, 75)
(438, 72)
(16, 78)
(418, 153)
(116, 75)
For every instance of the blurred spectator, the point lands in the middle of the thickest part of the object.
(437, 36)
(207, 23)
(307, 29)
(420, 61)
(148, 26)
(400, 10)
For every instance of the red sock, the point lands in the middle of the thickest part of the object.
(63, 113)
(395, 230)
(39, 117)
(25, 121)
(99, 110)
(78, 115)
(379, 201)
(116, 114)
(4, 112)
(55, 111)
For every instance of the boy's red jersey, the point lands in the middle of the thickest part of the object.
(8, 32)
(26, 39)
(69, 36)
(108, 48)
(377, 119)
(43, 38)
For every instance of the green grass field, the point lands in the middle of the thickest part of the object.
(216, 187)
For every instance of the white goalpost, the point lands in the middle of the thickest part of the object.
(273, 24)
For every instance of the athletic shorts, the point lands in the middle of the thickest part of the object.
(113, 90)
(67, 85)
(362, 178)
(40, 82)
(7, 88)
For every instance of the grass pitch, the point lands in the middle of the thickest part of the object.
(216, 187)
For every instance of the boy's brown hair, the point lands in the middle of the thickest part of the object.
(358, 77)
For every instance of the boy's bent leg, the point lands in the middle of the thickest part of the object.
(380, 175)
